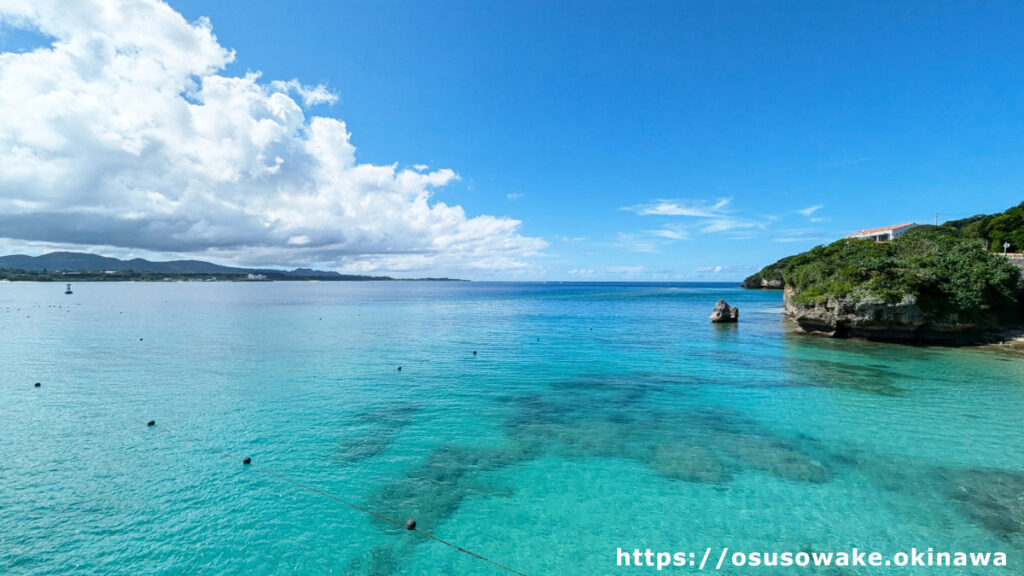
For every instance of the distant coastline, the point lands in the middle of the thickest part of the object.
(82, 267)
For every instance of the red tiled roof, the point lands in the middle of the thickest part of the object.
(883, 229)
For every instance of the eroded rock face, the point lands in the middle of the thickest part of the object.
(866, 316)
(725, 313)
(758, 283)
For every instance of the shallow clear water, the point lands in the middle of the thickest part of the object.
(593, 417)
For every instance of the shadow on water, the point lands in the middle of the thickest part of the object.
(725, 330)
(991, 498)
(872, 378)
(590, 418)
(377, 427)
(378, 561)
(433, 491)
(611, 417)
(707, 445)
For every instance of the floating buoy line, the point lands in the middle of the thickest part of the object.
(408, 525)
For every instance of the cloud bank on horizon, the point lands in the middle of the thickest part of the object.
(126, 132)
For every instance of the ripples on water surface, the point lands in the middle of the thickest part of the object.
(592, 417)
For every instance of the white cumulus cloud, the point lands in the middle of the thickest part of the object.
(126, 132)
(311, 95)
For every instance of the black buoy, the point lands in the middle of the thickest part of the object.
(151, 423)
(140, 339)
(38, 384)
(410, 524)
(474, 352)
(399, 368)
(246, 460)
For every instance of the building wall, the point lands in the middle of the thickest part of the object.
(881, 237)
(884, 236)
(898, 233)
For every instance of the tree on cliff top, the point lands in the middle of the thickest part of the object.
(994, 229)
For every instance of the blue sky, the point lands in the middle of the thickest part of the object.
(648, 140)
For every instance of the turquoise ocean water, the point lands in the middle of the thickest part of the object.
(593, 417)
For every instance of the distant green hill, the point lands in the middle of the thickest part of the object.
(994, 229)
(50, 266)
(770, 276)
(79, 261)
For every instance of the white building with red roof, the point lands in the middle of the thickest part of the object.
(883, 234)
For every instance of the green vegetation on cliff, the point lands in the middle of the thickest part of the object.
(948, 269)
(994, 229)
(947, 274)
(769, 276)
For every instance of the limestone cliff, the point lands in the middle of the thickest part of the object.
(861, 315)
